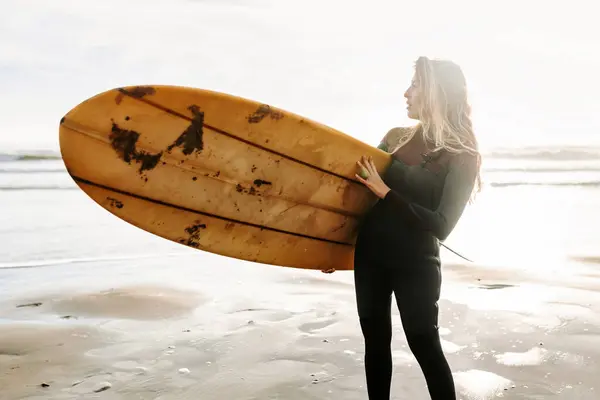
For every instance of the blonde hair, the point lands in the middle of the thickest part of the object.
(444, 111)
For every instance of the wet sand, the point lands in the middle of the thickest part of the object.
(299, 339)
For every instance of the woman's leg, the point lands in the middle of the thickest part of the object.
(374, 297)
(417, 290)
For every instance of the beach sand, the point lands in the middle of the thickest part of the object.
(276, 333)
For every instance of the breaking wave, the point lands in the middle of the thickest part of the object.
(555, 184)
(33, 156)
(31, 170)
(547, 153)
(535, 169)
(83, 260)
(528, 166)
(38, 187)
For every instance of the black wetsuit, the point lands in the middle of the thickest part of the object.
(397, 251)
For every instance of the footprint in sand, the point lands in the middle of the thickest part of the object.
(310, 327)
(264, 314)
(20, 340)
(139, 303)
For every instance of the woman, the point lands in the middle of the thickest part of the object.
(434, 172)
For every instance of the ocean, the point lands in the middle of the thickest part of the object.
(537, 212)
(153, 318)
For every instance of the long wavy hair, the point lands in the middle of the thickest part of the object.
(444, 111)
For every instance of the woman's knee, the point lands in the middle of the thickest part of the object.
(377, 332)
(424, 343)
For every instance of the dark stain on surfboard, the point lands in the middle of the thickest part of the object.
(124, 141)
(115, 202)
(194, 178)
(253, 168)
(127, 118)
(194, 231)
(217, 174)
(260, 182)
(140, 91)
(252, 191)
(192, 138)
(137, 92)
(263, 111)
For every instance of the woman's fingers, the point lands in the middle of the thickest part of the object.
(363, 163)
(367, 165)
(364, 171)
(365, 182)
(361, 179)
(371, 167)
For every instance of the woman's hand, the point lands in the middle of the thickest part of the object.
(371, 178)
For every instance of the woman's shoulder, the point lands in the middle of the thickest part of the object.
(400, 131)
(468, 160)
(396, 134)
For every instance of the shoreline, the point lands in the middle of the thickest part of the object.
(287, 333)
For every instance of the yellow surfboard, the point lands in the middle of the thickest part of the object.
(221, 173)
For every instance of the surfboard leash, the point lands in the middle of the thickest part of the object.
(332, 270)
(460, 255)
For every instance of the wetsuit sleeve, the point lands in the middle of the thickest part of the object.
(458, 187)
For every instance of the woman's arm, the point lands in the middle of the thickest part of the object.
(458, 186)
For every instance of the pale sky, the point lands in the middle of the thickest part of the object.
(532, 67)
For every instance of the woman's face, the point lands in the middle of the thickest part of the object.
(413, 98)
